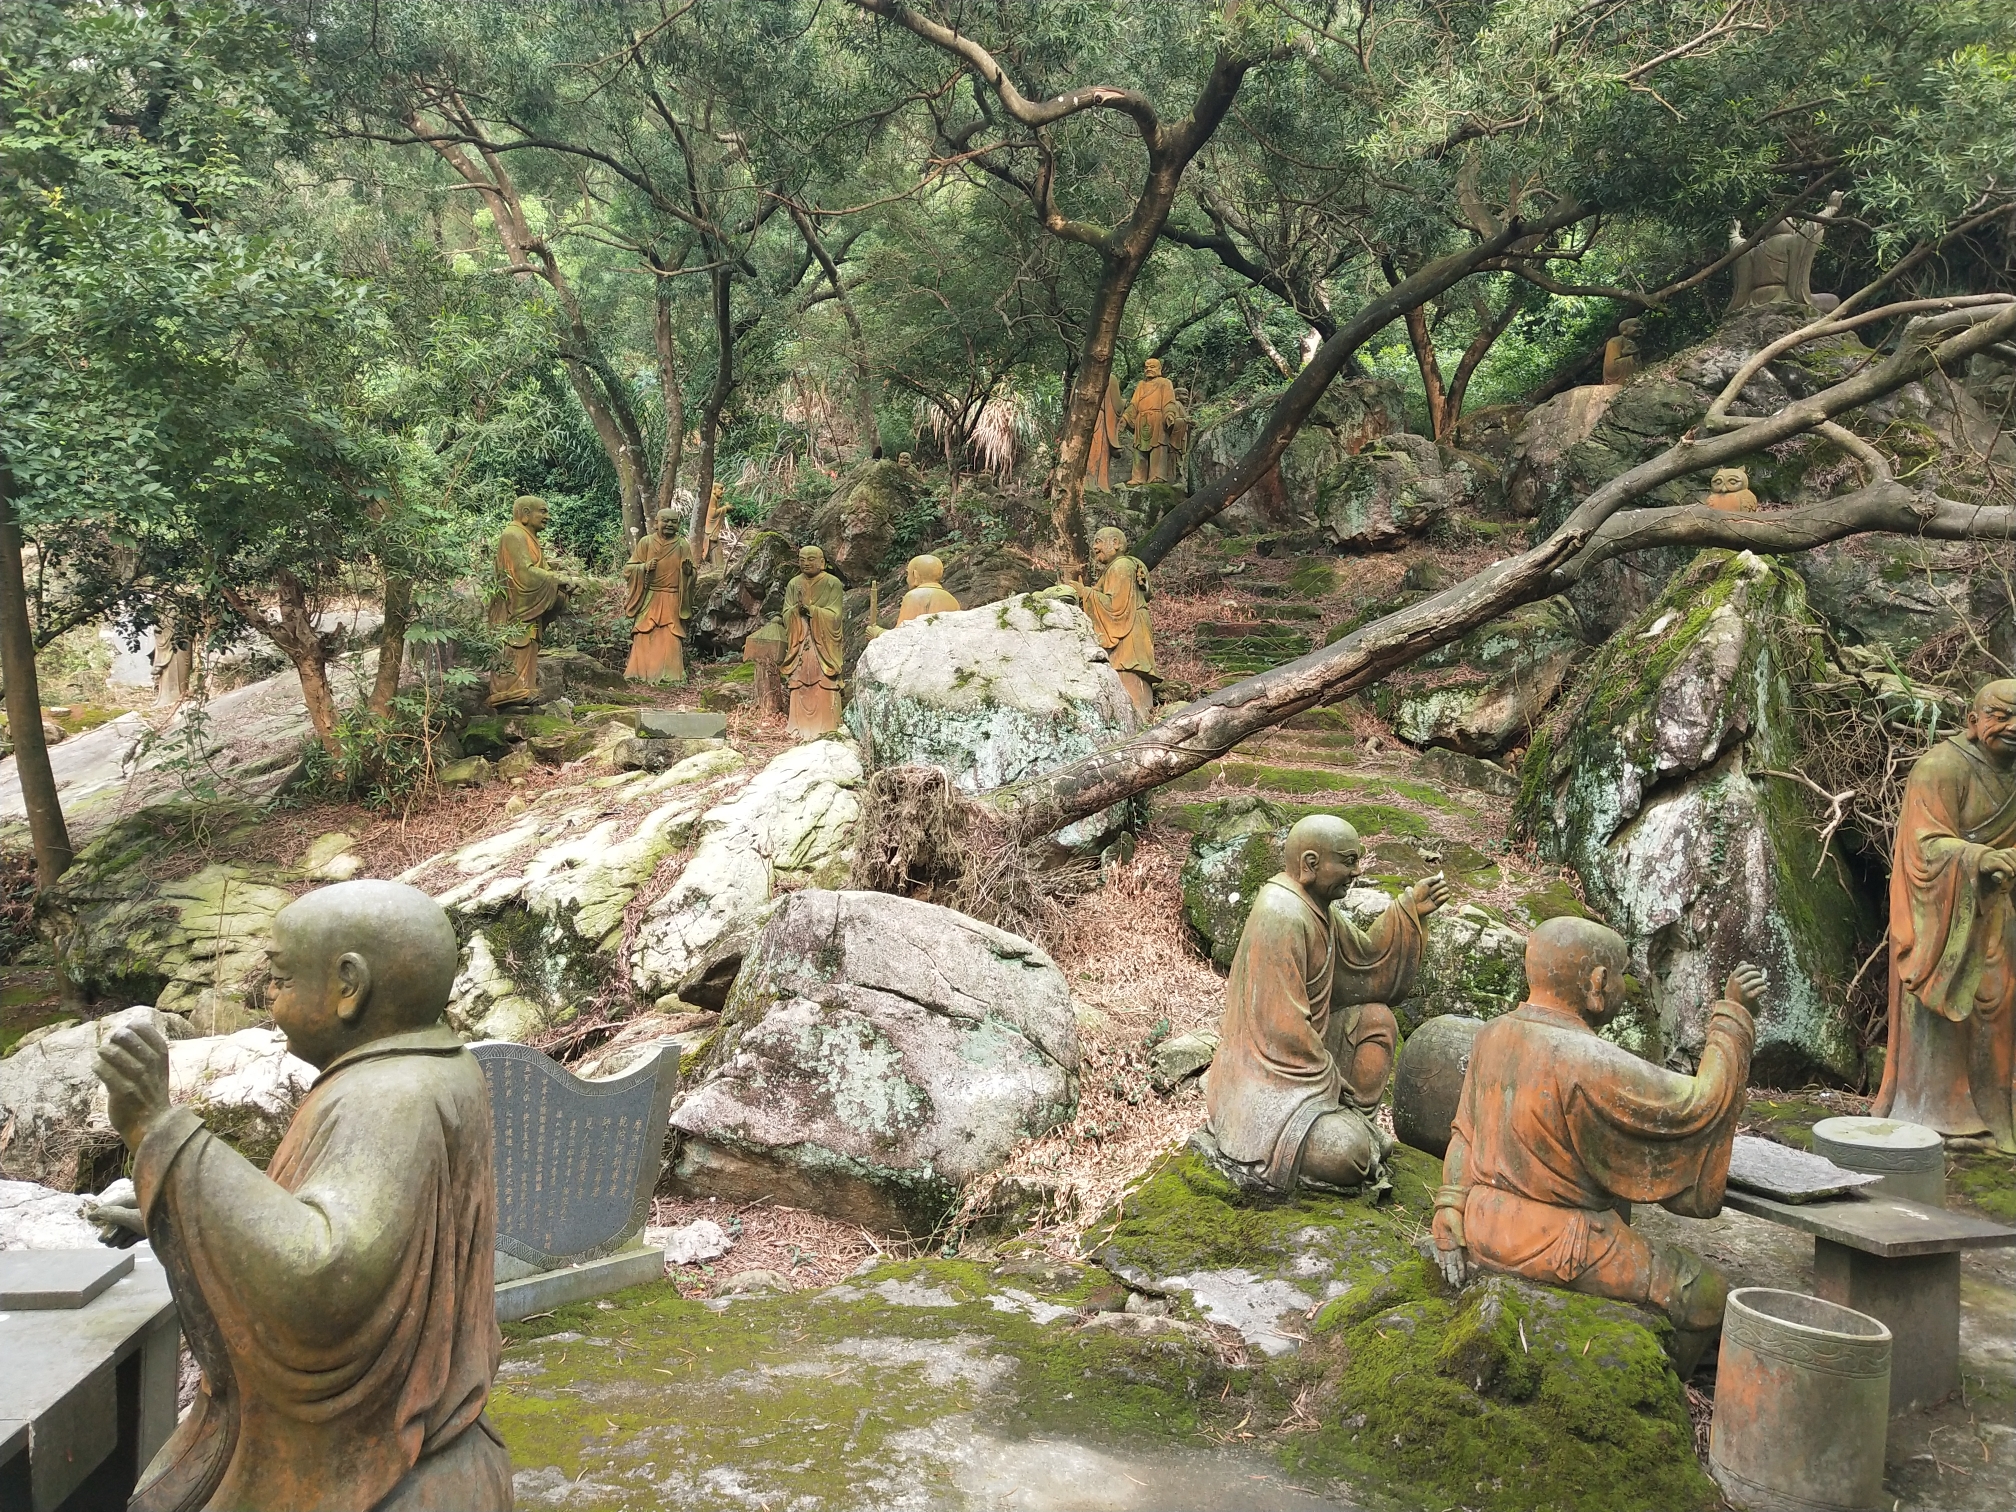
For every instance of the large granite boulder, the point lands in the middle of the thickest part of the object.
(1650, 780)
(791, 827)
(1350, 416)
(749, 592)
(876, 1054)
(1487, 692)
(1237, 851)
(993, 695)
(859, 525)
(36, 1217)
(1389, 493)
(1899, 593)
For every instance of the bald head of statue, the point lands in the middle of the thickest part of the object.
(1577, 966)
(357, 962)
(1323, 854)
(924, 570)
(1992, 721)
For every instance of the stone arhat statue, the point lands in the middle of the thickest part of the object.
(659, 600)
(1118, 607)
(340, 1302)
(1729, 489)
(1952, 1053)
(1620, 352)
(926, 577)
(1555, 1126)
(1308, 1036)
(525, 596)
(1161, 428)
(813, 645)
(1779, 269)
(1105, 437)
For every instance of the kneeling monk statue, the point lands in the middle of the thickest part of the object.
(1556, 1127)
(1308, 1038)
(340, 1301)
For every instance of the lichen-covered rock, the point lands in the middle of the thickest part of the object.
(1488, 691)
(1351, 415)
(46, 1090)
(791, 827)
(1899, 593)
(876, 1054)
(748, 593)
(1229, 859)
(36, 1217)
(540, 904)
(857, 527)
(993, 695)
(1649, 781)
(1389, 493)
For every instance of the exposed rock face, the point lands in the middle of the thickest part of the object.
(1229, 860)
(749, 592)
(876, 1054)
(1348, 418)
(37, 1217)
(1491, 687)
(1900, 593)
(1648, 782)
(244, 1085)
(1389, 493)
(791, 827)
(858, 525)
(992, 695)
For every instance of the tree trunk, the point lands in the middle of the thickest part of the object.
(1490, 329)
(1422, 340)
(391, 644)
(717, 396)
(47, 830)
(864, 373)
(1088, 394)
(674, 396)
(305, 647)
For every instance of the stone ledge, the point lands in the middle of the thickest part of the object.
(594, 1278)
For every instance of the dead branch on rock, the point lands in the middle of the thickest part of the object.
(1838, 807)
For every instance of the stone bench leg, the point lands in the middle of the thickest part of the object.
(1918, 1298)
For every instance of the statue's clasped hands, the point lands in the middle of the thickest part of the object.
(133, 1064)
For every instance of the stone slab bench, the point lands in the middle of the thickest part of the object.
(1897, 1261)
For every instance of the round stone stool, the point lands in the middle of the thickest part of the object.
(1909, 1157)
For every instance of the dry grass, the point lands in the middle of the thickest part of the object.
(809, 1250)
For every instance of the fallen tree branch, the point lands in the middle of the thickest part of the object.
(1837, 809)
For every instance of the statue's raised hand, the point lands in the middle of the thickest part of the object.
(1431, 893)
(133, 1064)
(1747, 985)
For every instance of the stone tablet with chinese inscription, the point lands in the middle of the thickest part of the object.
(576, 1160)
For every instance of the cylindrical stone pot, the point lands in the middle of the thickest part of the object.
(1909, 1157)
(1802, 1404)
(1428, 1080)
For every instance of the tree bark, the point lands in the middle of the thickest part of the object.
(673, 395)
(717, 395)
(864, 372)
(304, 646)
(1300, 398)
(47, 831)
(391, 644)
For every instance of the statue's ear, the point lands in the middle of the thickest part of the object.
(353, 987)
(1599, 979)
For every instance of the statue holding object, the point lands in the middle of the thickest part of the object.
(1161, 429)
(1556, 1127)
(340, 1302)
(526, 595)
(1952, 1054)
(1779, 269)
(659, 600)
(813, 648)
(1308, 1038)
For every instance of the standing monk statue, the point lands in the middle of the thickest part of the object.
(340, 1301)
(1118, 607)
(1556, 1127)
(524, 597)
(812, 648)
(1105, 439)
(715, 547)
(659, 601)
(1161, 428)
(1952, 1053)
(1308, 1038)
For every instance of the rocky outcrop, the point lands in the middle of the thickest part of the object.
(749, 592)
(1352, 415)
(244, 1085)
(36, 1217)
(1487, 692)
(992, 695)
(859, 525)
(1389, 493)
(791, 827)
(1651, 781)
(1229, 859)
(1899, 593)
(876, 1054)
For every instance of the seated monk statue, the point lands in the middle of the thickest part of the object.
(927, 595)
(1308, 1038)
(1729, 489)
(1620, 353)
(1557, 1127)
(340, 1301)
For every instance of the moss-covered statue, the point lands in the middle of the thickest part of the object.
(1556, 1126)
(1308, 1038)
(658, 598)
(812, 645)
(1952, 1054)
(1161, 428)
(340, 1301)
(525, 596)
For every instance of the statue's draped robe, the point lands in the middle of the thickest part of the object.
(929, 599)
(523, 596)
(1952, 944)
(812, 653)
(1157, 420)
(1105, 438)
(1556, 1125)
(351, 1283)
(1118, 608)
(1740, 501)
(1276, 1071)
(659, 597)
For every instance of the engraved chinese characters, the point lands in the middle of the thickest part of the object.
(576, 1160)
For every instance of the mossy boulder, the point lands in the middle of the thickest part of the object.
(859, 526)
(1488, 691)
(1651, 781)
(1238, 850)
(1894, 594)
(1351, 415)
(749, 592)
(1387, 494)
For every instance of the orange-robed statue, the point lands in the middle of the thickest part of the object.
(1161, 428)
(1556, 1127)
(1118, 607)
(659, 601)
(1952, 1053)
(525, 595)
(1308, 1038)
(1105, 438)
(812, 648)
